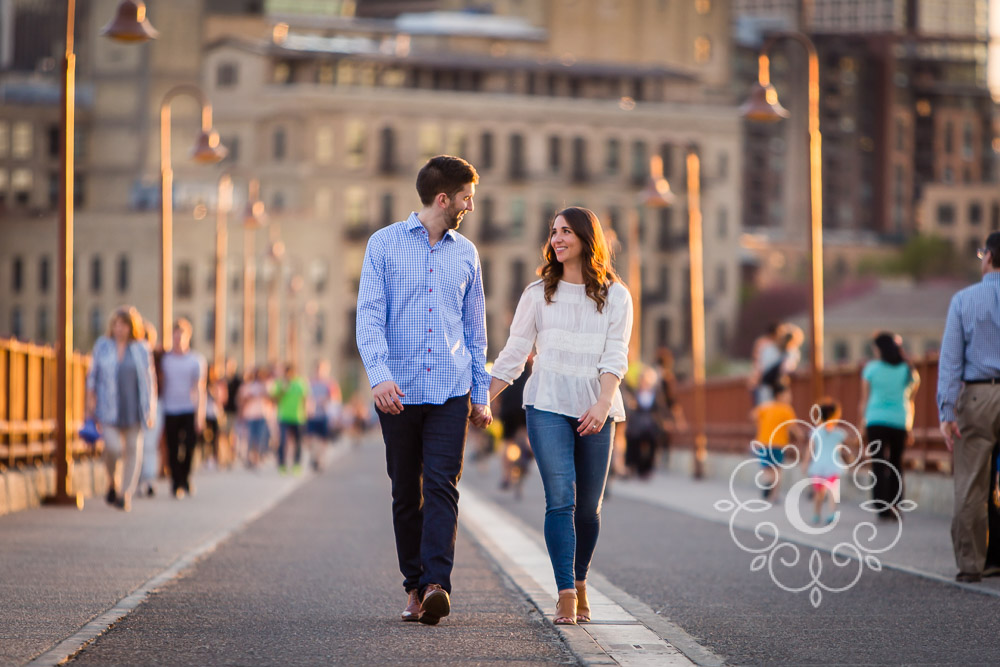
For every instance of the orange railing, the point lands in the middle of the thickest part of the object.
(28, 402)
(729, 427)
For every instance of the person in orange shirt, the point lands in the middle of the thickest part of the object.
(775, 428)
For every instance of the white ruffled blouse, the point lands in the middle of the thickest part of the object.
(575, 344)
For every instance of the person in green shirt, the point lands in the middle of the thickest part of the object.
(290, 393)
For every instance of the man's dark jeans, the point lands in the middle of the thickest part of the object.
(424, 446)
(182, 438)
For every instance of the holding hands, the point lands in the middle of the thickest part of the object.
(481, 416)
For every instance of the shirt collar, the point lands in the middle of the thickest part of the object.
(413, 222)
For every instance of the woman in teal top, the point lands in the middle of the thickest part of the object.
(888, 385)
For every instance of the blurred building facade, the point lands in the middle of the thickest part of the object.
(904, 107)
(335, 114)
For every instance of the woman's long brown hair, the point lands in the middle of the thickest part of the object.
(595, 254)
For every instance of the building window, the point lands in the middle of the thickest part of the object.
(319, 332)
(55, 142)
(612, 164)
(121, 279)
(279, 146)
(355, 144)
(555, 154)
(44, 274)
(387, 209)
(54, 189)
(517, 211)
(183, 282)
(723, 223)
(580, 173)
(226, 75)
(209, 327)
(517, 168)
(429, 142)
(841, 351)
(663, 332)
(4, 138)
(324, 145)
(17, 275)
(21, 141)
(319, 273)
(666, 216)
(387, 150)
(995, 217)
(975, 213)
(16, 323)
(640, 162)
(96, 323)
(949, 142)
(946, 214)
(720, 279)
(95, 274)
(486, 150)
(721, 337)
(667, 158)
(278, 201)
(43, 324)
(21, 182)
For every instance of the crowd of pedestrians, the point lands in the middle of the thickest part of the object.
(158, 411)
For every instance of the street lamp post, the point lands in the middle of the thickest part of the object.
(654, 195)
(131, 25)
(223, 206)
(696, 263)
(276, 251)
(253, 219)
(207, 150)
(295, 286)
(763, 106)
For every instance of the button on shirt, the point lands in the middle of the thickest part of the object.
(422, 316)
(970, 347)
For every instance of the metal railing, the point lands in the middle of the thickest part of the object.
(28, 403)
(730, 429)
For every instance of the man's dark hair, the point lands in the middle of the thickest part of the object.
(444, 173)
(993, 245)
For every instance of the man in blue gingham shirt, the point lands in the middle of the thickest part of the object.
(421, 331)
(968, 405)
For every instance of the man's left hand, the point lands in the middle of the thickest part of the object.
(481, 415)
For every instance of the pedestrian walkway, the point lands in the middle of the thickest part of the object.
(920, 545)
(275, 570)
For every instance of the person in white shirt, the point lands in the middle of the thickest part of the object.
(184, 395)
(579, 319)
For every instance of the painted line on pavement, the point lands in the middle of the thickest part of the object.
(69, 647)
(648, 496)
(626, 631)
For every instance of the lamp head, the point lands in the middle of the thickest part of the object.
(763, 106)
(130, 23)
(656, 193)
(254, 216)
(208, 149)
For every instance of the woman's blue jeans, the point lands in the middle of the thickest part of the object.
(574, 470)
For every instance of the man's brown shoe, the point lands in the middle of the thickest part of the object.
(412, 611)
(968, 577)
(436, 605)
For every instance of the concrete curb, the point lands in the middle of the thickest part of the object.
(26, 487)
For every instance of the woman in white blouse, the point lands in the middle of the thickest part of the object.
(579, 317)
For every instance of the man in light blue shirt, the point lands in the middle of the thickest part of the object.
(969, 406)
(421, 332)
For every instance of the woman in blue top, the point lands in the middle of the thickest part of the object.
(888, 385)
(121, 394)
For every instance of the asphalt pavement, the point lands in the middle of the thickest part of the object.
(266, 569)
